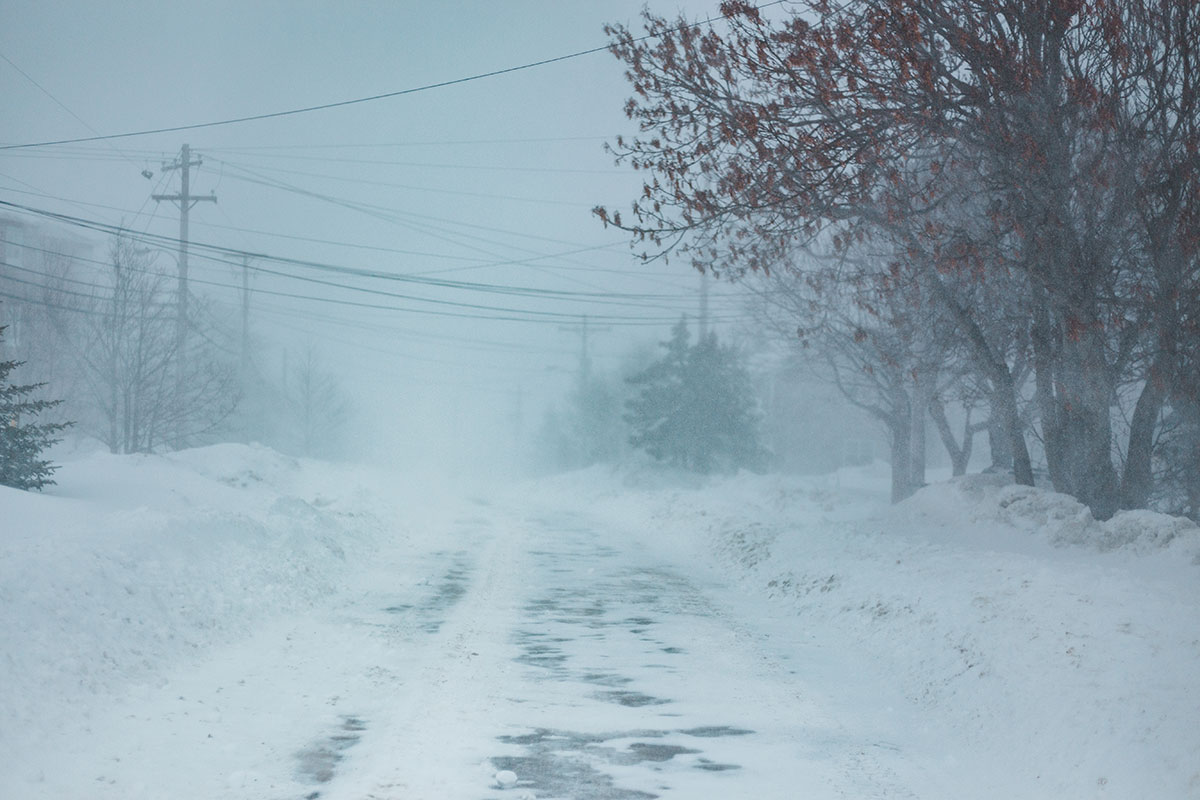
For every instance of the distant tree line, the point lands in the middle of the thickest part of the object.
(993, 204)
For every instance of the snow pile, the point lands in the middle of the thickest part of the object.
(991, 500)
(134, 562)
(1065, 521)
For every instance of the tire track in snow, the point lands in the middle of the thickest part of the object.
(452, 686)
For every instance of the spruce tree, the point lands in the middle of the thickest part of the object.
(657, 413)
(21, 442)
(695, 408)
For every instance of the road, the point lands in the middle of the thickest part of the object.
(548, 644)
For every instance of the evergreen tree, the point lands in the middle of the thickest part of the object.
(695, 408)
(588, 430)
(22, 443)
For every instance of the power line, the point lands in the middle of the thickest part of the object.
(395, 217)
(428, 143)
(221, 254)
(359, 100)
(99, 301)
(63, 106)
(390, 185)
(391, 215)
(473, 265)
(428, 165)
(502, 314)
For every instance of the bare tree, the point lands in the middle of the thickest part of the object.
(130, 359)
(317, 407)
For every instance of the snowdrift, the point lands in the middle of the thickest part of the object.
(134, 562)
(1039, 653)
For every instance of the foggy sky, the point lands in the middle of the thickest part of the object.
(465, 180)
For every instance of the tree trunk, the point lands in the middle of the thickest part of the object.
(1042, 337)
(995, 367)
(1005, 407)
(900, 426)
(1000, 444)
(114, 437)
(1137, 481)
(1073, 394)
(960, 467)
(959, 455)
(916, 436)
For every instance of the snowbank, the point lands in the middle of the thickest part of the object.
(1000, 507)
(132, 563)
(1040, 653)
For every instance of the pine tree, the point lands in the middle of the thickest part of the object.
(22, 442)
(695, 408)
(656, 415)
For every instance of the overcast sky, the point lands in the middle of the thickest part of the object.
(489, 181)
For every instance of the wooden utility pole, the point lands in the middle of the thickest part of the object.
(245, 316)
(185, 200)
(703, 306)
(585, 360)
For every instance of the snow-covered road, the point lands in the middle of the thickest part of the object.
(229, 623)
(573, 659)
(545, 644)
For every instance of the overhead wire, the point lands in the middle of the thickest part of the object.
(427, 165)
(474, 262)
(446, 234)
(442, 233)
(427, 143)
(473, 265)
(102, 299)
(497, 313)
(377, 211)
(221, 253)
(360, 100)
(430, 189)
(109, 145)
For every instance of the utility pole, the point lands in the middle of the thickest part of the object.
(245, 317)
(516, 420)
(703, 306)
(185, 199)
(585, 360)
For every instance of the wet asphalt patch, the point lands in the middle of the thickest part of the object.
(536, 654)
(564, 764)
(715, 731)
(317, 763)
(425, 606)
(605, 678)
(571, 764)
(630, 699)
(451, 588)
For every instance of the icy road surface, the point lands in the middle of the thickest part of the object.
(549, 646)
